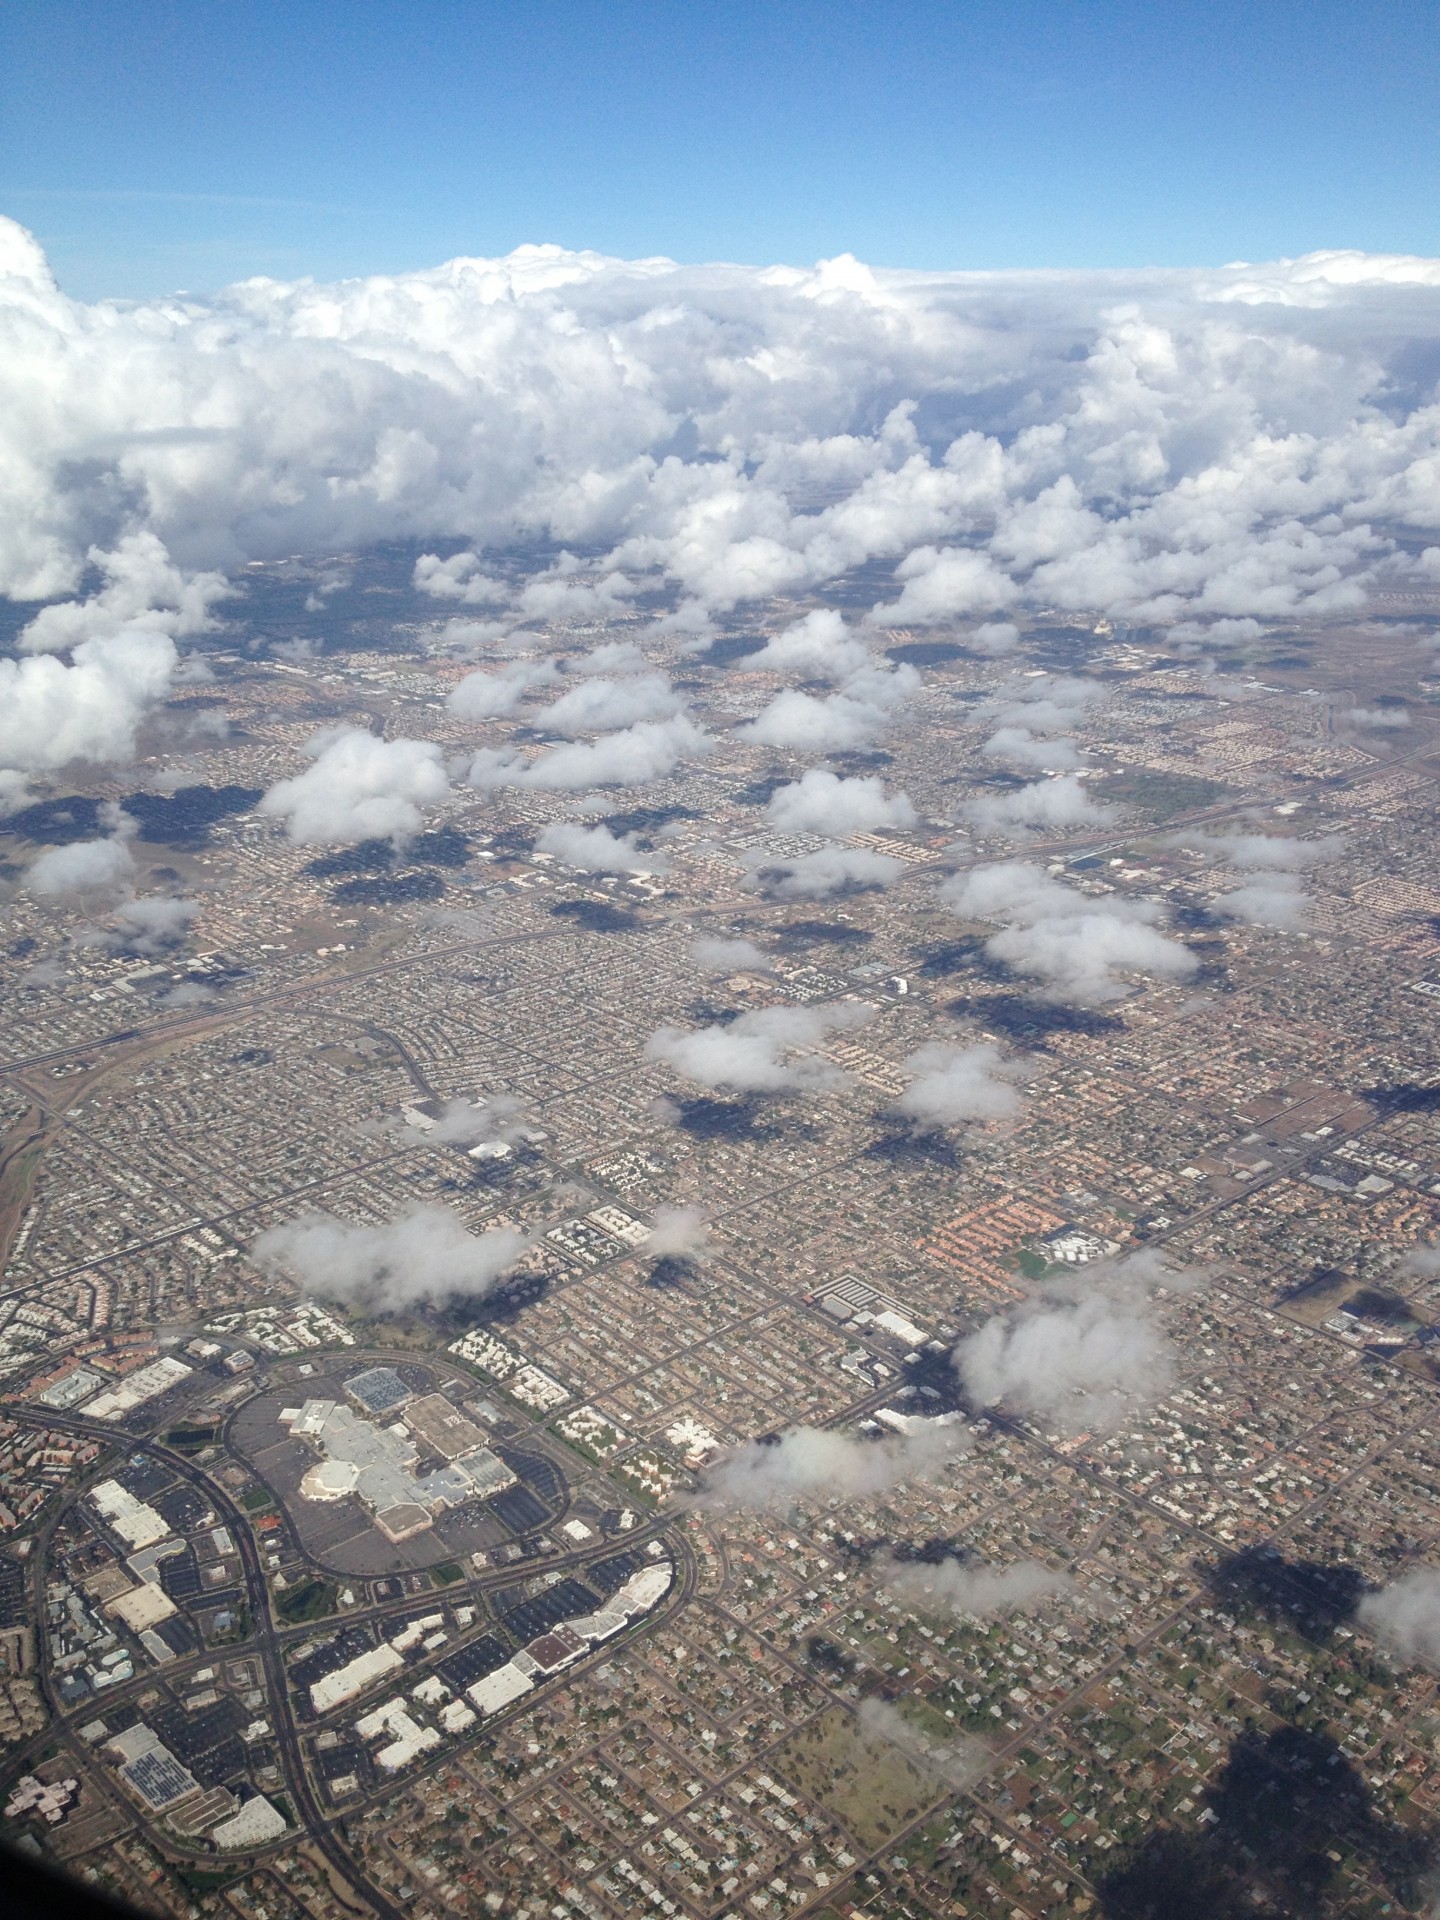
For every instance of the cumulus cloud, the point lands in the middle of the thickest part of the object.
(957, 1762)
(86, 869)
(944, 585)
(424, 1255)
(498, 695)
(474, 1123)
(1077, 946)
(1021, 748)
(819, 647)
(1405, 1616)
(143, 592)
(1219, 446)
(53, 712)
(817, 1463)
(1041, 806)
(824, 802)
(948, 1086)
(1276, 900)
(716, 955)
(360, 788)
(1374, 718)
(615, 656)
(634, 757)
(151, 924)
(840, 722)
(994, 637)
(767, 1051)
(600, 705)
(1082, 1356)
(806, 724)
(678, 1233)
(825, 872)
(959, 1586)
(1263, 852)
(1274, 895)
(461, 578)
(598, 850)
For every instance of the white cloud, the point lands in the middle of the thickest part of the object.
(806, 724)
(819, 647)
(84, 869)
(823, 873)
(425, 1254)
(634, 757)
(1043, 702)
(359, 788)
(461, 578)
(824, 802)
(979, 1592)
(1022, 748)
(598, 850)
(1374, 718)
(1274, 895)
(958, 1761)
(994, 637)
(717, 955)
(1405, 1616)
(767, 1051)
(469, 1123)
(1218, 446)
(143, 592)
(1275, 900)
(599, 705)
(816, 1463)
(1077, 946)
(853, 717)
(678, 1233)
(941, 586)
(1083, 1356)
(1043, 806)
(616, 656)
(52, 713)
(497, 695)
(948, 1086)
(151, 924)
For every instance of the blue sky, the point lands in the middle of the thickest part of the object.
(155, 146)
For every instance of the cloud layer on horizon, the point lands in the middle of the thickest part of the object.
(1234, 444)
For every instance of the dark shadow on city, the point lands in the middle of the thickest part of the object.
(1406, 1096)
(927, 653)
(598, 916)
(1313, 1596)
(899, 1145)
(761, 792)
(186, 817)
(672, 1270)
(731, 647)
(389, 890)
(506, 1303)
(1282, 1805)
(645, 820)
(444, 847)
(772, 881)
(941, 960)
(821, 933)
(1032, 1023)
(707, 1117)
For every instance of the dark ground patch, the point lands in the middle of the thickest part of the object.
(598, 916)
(1284, 1802)
(1310, 1595)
